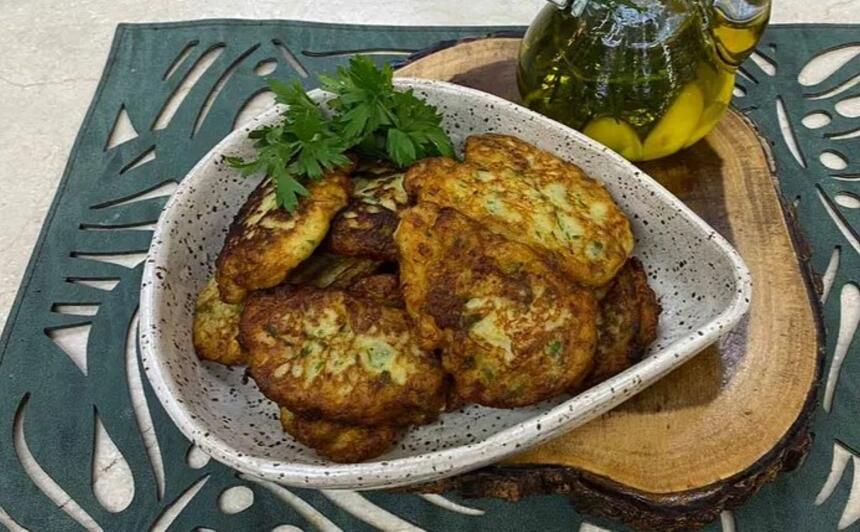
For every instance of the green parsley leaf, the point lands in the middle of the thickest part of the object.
(293, 96)
(400, 147)
(370, 116)
(422, 124)
(362, 97)
(318, 146)
(287, 189)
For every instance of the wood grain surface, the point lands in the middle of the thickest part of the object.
(710, 434)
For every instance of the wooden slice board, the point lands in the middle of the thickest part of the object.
(710, 434)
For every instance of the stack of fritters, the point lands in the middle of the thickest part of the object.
(388, 297)
(530, 196)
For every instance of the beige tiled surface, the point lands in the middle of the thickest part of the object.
(53, 53)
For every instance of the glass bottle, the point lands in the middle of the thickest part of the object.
(644, 77)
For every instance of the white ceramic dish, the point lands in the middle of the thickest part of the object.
(702, 283)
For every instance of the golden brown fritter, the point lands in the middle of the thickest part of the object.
(325, 270)
(513, 332)
(364, 230)
(453, 401)
(266, 242)
(532, 197)
(340, 442)
(627, 323)
(216, 328)
(383, 187)
(367, 168)
(327, 354)
(382, 288)
(366, 227)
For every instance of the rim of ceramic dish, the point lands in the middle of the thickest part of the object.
(424, 467)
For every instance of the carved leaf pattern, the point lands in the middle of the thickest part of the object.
(821, 178)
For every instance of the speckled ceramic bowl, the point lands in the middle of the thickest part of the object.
(702, 283)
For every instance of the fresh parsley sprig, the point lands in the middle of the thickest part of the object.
(369, 116)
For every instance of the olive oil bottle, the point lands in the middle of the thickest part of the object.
(644, 77)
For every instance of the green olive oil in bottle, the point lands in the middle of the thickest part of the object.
(644, 77)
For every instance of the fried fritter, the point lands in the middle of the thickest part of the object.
(366, 227)
(339, 442)
(383, 288)
(627, 323)
(383, 188)
(364, 230)
(325, 270)
(216, 328)
(266, 242)
(512, 331)
(369, 168)
(532, 197)
(328, 354)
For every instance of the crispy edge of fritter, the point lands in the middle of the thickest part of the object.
(364, 230)
(366, 167)
(384, 189)
(383, 288)
(417, 181)
(327, 270)
(418, 401)
(258, 257)
(340, 442)
(215, 328)
(418, 220)
(490, 149)
(631, 306)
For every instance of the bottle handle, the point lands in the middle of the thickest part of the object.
(738, 25)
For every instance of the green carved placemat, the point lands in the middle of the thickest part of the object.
(70, 371)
